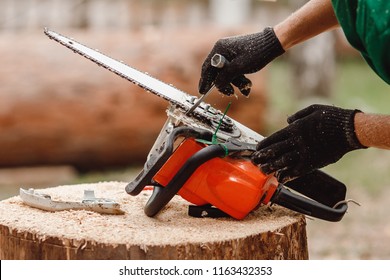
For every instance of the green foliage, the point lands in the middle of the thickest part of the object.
(355, 86)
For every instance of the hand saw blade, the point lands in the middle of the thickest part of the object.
(131, 74)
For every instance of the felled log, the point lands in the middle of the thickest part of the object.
(59, 108)
(30, 233)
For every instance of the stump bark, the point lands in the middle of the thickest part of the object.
(29, 233)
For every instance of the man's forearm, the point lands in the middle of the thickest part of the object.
(315, 17)
(373, 130)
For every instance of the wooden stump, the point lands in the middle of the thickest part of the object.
(29, 233)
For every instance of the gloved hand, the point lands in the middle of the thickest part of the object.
(245, 54)
(315, 137)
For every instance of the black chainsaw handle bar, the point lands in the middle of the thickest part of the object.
(162, 195)
(301, 204)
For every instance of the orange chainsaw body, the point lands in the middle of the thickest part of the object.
(233, 185)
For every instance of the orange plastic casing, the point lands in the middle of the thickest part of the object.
(233, 185)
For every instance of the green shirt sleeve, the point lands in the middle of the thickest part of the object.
(366, 24)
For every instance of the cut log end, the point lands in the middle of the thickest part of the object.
(29, 233)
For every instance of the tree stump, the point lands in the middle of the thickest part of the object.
(30, 233)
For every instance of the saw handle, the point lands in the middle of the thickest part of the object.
(306, 206)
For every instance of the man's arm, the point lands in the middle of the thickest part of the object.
(316, 136)
(315, 17)
(373, 130)
(250, 53)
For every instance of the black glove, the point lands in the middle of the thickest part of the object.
(245, 54)
(315, 137)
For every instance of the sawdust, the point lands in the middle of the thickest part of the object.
(171, 226)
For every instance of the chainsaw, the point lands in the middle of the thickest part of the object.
(203, 155)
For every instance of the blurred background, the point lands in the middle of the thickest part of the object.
(63, 120)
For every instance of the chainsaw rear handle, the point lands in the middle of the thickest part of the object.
(303, 205)
(162, 195)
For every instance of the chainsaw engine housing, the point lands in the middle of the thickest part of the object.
(233, 185)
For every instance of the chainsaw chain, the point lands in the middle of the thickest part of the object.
(201, 114)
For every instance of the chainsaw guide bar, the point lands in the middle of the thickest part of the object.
(204, 115)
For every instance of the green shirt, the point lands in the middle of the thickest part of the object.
(366, 24)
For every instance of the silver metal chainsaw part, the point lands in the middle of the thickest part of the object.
(178, 117)
(159, 143)
(139, 78)
(227, 129)
(204, 115)
(217, 61)
(90, 202)
(200, 100)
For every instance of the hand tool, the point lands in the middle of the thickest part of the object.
(217, 61)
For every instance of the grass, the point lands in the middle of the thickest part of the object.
(358, 86)
(355, 86)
